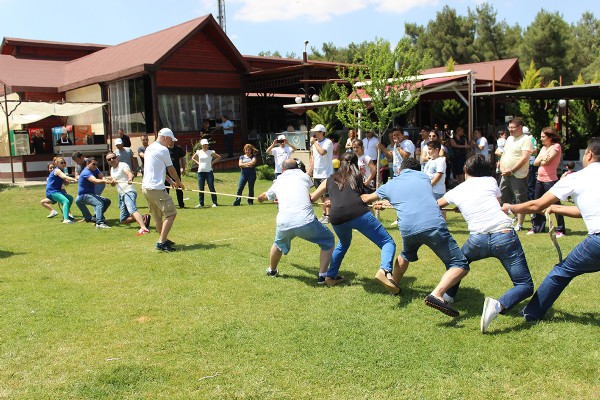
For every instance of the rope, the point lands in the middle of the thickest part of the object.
(199, 191)
(552, 232)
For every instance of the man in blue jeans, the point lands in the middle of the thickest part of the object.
(88, 179)
(421, 223)
(491, 235)
(585, 257)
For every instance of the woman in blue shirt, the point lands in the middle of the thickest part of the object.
(247, 165)
(55, 190)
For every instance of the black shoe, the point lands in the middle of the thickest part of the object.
(321, 280)
(235, 205)
(164, 247)
(441, 305)
(170, 243)
(271, 273)
(146, 219)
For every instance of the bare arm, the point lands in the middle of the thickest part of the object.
(173, 174)
(373, 170)
(369, 198)
(567, 211)
(436, 178)
(263, 197)
(533, 206)
(317, 146)
(317, 194)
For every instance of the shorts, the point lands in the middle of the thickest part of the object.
(314, 232)
(513, 190)
(127, 205)
(160, 203)
(441, 242)
(317, 182)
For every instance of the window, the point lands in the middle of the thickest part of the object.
(127, 106)
(185, 113)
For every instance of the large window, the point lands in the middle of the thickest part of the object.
(185, 113)
(127, 106)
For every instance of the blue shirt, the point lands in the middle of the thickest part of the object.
(54, 184)
(85, 186)
(412, 196)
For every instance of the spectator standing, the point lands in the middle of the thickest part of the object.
(124, 138)
(370, 144)
(247, 164)
(38, 143)
(281, 151)
(227, 127)
(459, 145)
(141, 151)
(205, 159)
(480, 145)
(125, 155)
(177, 154)
(321, 165)
(351, 137)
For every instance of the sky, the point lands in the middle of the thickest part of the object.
(254, 25)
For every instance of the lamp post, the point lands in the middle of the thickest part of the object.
(562, 104)
(306, 95)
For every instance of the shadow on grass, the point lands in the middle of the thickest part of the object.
(6, 254)
(586, 318)
(198, 246)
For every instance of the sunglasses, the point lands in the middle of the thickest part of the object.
(94, 164)
(62, 162)
(111, 158)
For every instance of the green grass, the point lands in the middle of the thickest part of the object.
(99, 314)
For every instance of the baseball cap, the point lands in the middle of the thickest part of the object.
(281, 137)
(318, 128)
(166, 132)
(118, 141)
(203, 141)
(525, 130)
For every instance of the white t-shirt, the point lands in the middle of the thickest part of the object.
(156, 162)
(322, 165)
(482, 141)
(370, 147)
(477, 198)
(291, 189)
(409, 146)
(584, 190)
(432, 168)
(204, 160)
(363, 166)
(280, 154)
(500, 145)
(120, 174)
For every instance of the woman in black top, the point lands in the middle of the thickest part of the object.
(460, 146)
(349, 212)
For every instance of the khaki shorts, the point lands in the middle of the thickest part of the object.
(160, 203)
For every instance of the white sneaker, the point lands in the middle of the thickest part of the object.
(491, 309)
(68, 221)
(199, 206)
(518, 227)
(52, 214)
(214, 205)
(324, 219)
(449, 299)
(102, 226)
(395, 223)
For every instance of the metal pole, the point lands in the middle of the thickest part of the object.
(12, 169)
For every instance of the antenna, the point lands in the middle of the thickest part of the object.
(221, 16)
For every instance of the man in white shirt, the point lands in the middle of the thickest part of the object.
(585, 257)
(295, 218)
(481, 144)
(157, 162)
(370, 144)
(400, 149)
(281, 151)
(122, 177)
(321, 162)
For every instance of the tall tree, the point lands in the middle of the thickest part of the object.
(490, 36)
(546, 42)
(584, 120)
(585, 46)
(536, 114)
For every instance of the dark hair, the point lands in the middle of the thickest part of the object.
(411, 163)
(551, 133)
(89, 160)
(477, 166)
(517, 121)
(571, 165)
(594, 147)
(358, 142)
(434, 144)
(334, 137)
(77, 154)
(348, 173)
(426, 128)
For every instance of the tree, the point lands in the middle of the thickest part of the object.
(330, 52)
(584, 120)
(585, 46)
(490, 36)
(325, 115)
(450, 111)
(546, 42)
(536, 114)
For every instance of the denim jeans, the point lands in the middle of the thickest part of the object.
(247, 175)
(440, 241)
(539, 220)
(369, 226)
(127, 205)
(99, 203)
(209, 178)
(583, 259)
(506, 247)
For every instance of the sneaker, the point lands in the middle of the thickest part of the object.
(324, 219)
(334, 281)
(560, 234)
(395, 223)
(68, 221)
(199, 205)
(215, 205)
(530, 232)
(164, 247)
(235, 205)
(448, 299)
(102, 226)
(321, 280)
(142, 232)
(170, 243)
(491, 309)
(272, 273)
(518, 228)
(52, 214)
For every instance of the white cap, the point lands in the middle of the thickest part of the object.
(118, 141)
(203, 141)
(318, 128)
(525, 130)
(281, 137)
(166, 132)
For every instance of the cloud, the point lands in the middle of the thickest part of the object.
(316, 11)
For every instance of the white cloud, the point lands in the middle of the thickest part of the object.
(316, 11)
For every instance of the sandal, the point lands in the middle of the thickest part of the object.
(385, 278)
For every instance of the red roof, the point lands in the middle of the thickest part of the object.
(505, 71)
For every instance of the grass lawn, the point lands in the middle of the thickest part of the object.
(97, 314)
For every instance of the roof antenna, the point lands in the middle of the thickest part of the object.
(221, 16)
(304, 55)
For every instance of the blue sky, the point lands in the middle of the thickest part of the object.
(252, 25)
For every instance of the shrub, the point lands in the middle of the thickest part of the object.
(265, 172)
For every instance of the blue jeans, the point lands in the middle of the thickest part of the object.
(539, 220)
(127, 205)
(229, 144)
(369, 226)
(99, 203)
(247, 175)
(583, 259)
(314, 232)
(440, 241)
(209, 178)
(506, 247)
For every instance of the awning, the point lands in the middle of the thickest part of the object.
(27, 112)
